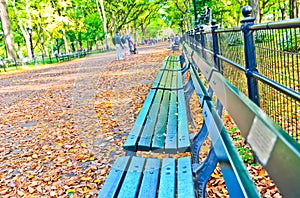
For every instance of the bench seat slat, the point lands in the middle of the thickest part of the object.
(167, 179)
(150, 180)
(115, 178)
(164, 80)
(133, 137)
(185, 178)
(171, 136)
(157, 80)
(132, 179)
(146, 136)
(160, 127)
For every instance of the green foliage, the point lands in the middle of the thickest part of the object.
(80, 21)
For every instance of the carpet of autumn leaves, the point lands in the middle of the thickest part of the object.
(62, 126)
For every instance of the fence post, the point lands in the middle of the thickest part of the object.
(197, 36)
(215, 43)
(249, 50)
(202, 41)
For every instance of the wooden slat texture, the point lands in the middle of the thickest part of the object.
(133, 137)
(132, 179)
(167, 179)
(146, 136)
(171, 136)
(160, 127)
(156, 128)
(183, 132)
(150, 180)
(185, 184)
(115, 177)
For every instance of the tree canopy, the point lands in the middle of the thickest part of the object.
(63, 26)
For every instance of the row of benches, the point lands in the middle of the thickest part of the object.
(162, 126)
(68, 57)
(5, 63)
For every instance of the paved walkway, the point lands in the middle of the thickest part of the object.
(62, 125)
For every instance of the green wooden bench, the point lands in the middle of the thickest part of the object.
(133, 176)
(161, 126)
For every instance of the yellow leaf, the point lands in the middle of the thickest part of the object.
(83, 145)
(97, 180)
(262, 173)
(85, 178)
(30, 176)
(5, 120)
(71, 190)
(92, 159)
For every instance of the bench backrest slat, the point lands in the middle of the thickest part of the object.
(275, 149)
(183, 136)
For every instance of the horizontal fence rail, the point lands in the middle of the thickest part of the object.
(261, 60)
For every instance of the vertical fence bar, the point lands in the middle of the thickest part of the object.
(215, 44)
(202, 41)
(249, 50)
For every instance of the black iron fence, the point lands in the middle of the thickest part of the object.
(261, 60)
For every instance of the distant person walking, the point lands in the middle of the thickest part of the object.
(118, 44)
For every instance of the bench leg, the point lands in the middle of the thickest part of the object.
(198, 142)
(203, 172)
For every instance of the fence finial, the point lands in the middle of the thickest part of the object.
(213, 22)
(247, 10)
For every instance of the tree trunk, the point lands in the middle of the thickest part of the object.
(283, 8)
(66, 42)
(293, 9)
(104, 25)
(255, 10)
(143, 32)
(11, 51)
(23, 28)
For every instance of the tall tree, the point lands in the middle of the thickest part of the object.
(104, 24)
(7, 31)
(255, 9)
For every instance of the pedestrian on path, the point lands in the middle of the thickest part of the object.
(118, 44)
